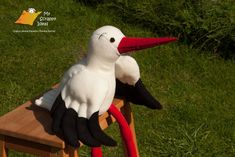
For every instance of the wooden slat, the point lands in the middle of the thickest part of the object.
(28, 129)
(62, 153)
(54, 152)
(27, 147)
(32, 123)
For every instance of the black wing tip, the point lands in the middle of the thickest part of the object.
(98, 133)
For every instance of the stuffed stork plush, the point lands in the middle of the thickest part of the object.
(87, 89)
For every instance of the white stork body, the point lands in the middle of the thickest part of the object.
(128, 75)
(89, 86)
(87, 91)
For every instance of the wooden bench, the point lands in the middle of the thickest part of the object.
(28, 129)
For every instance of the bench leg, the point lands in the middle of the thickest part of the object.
(3, 149)
(127, 113)
(62, 153)
(73, 152)
(68, 152)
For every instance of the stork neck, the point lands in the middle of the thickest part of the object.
(100, 65)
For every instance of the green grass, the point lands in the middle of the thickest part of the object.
(205, 24)
(196, 89)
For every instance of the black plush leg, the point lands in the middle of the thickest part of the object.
(97, 132)
(84, 133)
(69, 122)
(137, 94)
(57, 111)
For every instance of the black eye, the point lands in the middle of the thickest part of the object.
(112, 40)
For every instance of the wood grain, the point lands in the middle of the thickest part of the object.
(32, 123)
(28, 129)
(3, 149)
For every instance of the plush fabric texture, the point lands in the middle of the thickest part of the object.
(84, 134)
(87, 89)
(97, 133)
(128, 44)
(127, 70)
(96, 80)
(69, 127)
(57, 112)
(125, 131)
(66, 123)
(96, 152)
(136, 94)
(48, 99)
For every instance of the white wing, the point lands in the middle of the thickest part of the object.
(127, 70)
(46, 101)
(85, 92)
(48, 98)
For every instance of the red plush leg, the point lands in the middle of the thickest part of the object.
(125, 131)
(96, 152)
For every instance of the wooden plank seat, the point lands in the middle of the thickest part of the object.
(28, 129)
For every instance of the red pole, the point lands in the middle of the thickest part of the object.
(96, 152)
(125, 131)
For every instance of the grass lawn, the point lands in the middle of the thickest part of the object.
(197, 90)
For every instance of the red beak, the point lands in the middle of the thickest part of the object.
(132, 44)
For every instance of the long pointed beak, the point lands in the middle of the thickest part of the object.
(133, 44)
